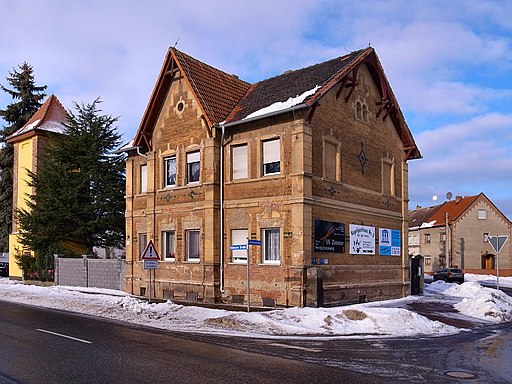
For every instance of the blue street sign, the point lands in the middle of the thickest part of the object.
(238, 247)
(254, 242)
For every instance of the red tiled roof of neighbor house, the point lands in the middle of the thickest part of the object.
(420, 215)
(454, 208)
(50, 117)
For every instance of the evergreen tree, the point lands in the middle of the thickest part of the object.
(79, 188)
(28, 99)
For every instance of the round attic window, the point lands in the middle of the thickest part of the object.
(180, 106)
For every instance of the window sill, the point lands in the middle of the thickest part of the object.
(191, 261)
(271, 264)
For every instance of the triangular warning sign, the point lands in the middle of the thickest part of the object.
(150, 252)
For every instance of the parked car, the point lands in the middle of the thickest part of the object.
(450, 275)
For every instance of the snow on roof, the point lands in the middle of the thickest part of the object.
(282, 105)
(50, 117)
(127, 146)
(429, 224)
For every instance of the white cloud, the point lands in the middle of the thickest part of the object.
(445, 62)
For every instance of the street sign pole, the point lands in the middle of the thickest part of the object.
(248, 279)
(150, 286)
(497, 242)
(150, 257)
(498, 270)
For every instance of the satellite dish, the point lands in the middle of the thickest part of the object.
(434, 197)
(449, 195)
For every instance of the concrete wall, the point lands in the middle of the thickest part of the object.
(84, 272)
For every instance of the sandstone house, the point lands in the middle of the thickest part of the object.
(311, 163)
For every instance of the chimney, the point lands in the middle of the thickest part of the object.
(458, 199)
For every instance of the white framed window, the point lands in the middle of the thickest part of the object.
(239, 162)
(143, 242)
(426, 238)
(486, 237)
(271, 157)
(270, 245)
(170, 171)
(168, 246)
(193, 245)
(482, 214)
(143, 178)
(239, 236)
(331, 161)
(442, 237)
(193, 167)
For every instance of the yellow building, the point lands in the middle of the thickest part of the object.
(28, 143)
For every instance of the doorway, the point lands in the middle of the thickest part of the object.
(488, 261)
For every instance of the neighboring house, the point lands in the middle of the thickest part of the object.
(455, 234)
(28, 143)
(312, 163)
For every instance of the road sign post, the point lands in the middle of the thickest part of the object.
(248, 278)
(240, 247)
(150, 257)
(497, 242)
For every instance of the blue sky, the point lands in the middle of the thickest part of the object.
(449, 64)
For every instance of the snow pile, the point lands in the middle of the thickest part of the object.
(489, 279)
(355, 320)
(483, 303)
(383, 319)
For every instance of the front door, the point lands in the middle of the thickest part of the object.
(488, 261)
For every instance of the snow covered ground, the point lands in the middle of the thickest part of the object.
(376, 319)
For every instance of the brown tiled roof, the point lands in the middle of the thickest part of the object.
(218, 92)
(454, 208)
(224, 97)
(50, 117)
(422, 215)
(291, 84)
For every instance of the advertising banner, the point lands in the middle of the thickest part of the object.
(329, 236)
(362, 240)
(390, 241)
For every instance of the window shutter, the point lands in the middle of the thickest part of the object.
(193, 157)
(271, 151)
(239, 160)
(239, 236)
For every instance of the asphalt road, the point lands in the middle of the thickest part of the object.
(46, 346)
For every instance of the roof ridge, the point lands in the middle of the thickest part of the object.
(208, 65)
(291, 71)
(45, 112)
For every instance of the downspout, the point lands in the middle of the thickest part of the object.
(140, 153)
(221, 214)
(133, 192)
